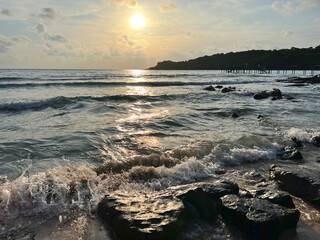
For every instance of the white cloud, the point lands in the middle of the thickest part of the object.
(128, 3)
(41, 29)
(168, 7)
(20, 39)
(290, 7)
(8, 42)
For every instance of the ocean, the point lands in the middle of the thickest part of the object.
(147, 130)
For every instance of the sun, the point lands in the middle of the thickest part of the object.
(138, 21)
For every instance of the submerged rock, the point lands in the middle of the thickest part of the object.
(219, 86)
(228, 89)
(257, 218)
(297, 143)
(316, 141)
(274, 93)
(209, 88)
(313, 80)
(235, 115)
(261, 95)
(299, 181)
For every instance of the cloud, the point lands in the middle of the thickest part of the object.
(5, 45)
(128, 3)
(168, 7)
(47, 14)
(41, 29)
(6, 12)
(189, 34)
(20, 39)
(290, 7)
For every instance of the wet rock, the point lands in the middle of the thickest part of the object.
(270, 191)
(276, 93)
(313, 80)
(235, 115)
(289, 153)
(316, 141)
(228, 89)
(204, 196)
(297, 143)
(261, 95)
(144, 216)
(163, 214)
(219, 86)
(257, 218)
(209, 88)
(299, 181)
(290, 98)
(259, 117)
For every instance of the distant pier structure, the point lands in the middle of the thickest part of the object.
(260, 70)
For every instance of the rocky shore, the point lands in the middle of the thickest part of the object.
(261, 210)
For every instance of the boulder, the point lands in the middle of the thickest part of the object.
(276, 93)
(162, 214)
(235, 115)
(228, 89)
(257, 218)
(270, 191)
(209, 88)
(316, 141)
(144, 216)
(289, 153)
(299, 181)
(219, 86)
(261, 95)
(297, 143)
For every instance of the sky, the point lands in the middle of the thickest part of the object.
(96, 34)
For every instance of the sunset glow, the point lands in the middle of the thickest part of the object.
(137, 21)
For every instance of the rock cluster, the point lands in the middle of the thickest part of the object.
(262, 213)
(274, 93)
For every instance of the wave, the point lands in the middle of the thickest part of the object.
(60, 102)
(119, 84)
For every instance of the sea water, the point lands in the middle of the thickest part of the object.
(68, 137)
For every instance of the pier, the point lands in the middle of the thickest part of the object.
(260, 70)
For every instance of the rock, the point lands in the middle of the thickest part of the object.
(297, 143)
(316, 141)
(163, 214)
(209, 88)
(204, 196)
(289, 153)
(257, 218)
(261, 95)
(270, 191)
(235, 115)
(313, 80)
(144, 216)
(259, 117)
(299, 181)
(219, 86)
(276, 93)
(228, 89)
(290, 98)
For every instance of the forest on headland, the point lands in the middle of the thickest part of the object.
(283, 59)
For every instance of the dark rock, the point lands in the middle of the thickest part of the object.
(259, 117)
(209, 88)
(144, 216)
(257, 218)
(299, 181)
(235, 115)
(270, 191)
(275, 93)
(226, 90)
(290, 153)
(261, 95)
(290, 98)
(313, 80)
(297, 143)
(316, 141)
(219, 86)
(163, 214)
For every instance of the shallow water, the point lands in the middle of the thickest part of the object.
(150, 130)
